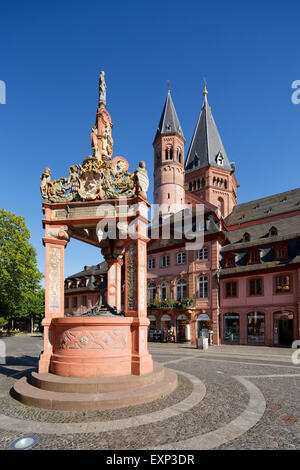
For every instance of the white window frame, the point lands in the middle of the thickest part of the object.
(204, 254)
(181, 257)
(203, 286)
(180, 285)
(151, 289)
(151, 263)
(163, 287)
(165, 261)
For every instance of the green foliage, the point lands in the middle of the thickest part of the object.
(20, 290)
(186, 302)
(3, 322)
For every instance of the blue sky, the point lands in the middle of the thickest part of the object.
(51, 54)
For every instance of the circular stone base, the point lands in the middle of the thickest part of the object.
(50, 391)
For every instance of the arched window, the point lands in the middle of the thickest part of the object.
(231, 327)
(181, 289)
(203, 287)
(167, 154)
(256, 327)
(225, 184)
(151, 292)
(203, 182)
(171, 154)
(190, 186)
(194, 186)
(198, 184)
(163, 291)
(221, 205)
(179, 157)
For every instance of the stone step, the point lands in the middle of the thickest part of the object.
(57, 383)
(33, 396)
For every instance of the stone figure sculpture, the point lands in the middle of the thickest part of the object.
(94, 139)
(142, 179)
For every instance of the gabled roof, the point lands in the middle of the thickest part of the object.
(169, 122)
(281, 203)
(206, 147)
(95, 270)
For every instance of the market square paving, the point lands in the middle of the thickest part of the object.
(229, 397)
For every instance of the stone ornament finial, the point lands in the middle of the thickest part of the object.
(205, 92)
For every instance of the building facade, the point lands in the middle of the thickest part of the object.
(242, 286)
(245, 280)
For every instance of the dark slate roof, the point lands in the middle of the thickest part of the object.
(95, 270)
(169, 122)
(281, 203)
(206, 143)
(287, 228)
(258, 267)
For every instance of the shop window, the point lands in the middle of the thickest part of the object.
(165, 261)
(180, 258)
(181, 289)
(256, 327)
(283, 283)
(203, 287)
(203, 254)
(151, 263)
(231, 330)
(231, 289)
(255, 287)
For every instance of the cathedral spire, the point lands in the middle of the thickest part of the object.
(206, 146)
(169, 122)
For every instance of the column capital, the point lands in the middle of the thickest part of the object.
(54, 241)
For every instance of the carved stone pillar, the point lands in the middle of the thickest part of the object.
(114, 283)
(136, 297)
(55, 243)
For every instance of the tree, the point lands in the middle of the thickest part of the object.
(19, 275)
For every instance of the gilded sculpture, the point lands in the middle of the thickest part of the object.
(99, 176)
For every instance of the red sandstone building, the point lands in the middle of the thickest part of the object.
(245, 281)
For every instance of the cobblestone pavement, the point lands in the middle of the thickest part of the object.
(250, 400)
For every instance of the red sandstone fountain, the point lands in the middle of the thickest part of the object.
(98, 360)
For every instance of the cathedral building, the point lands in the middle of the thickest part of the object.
(242, 286)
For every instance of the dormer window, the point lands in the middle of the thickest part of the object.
(229, 261)
(246, 237)
(281, 252)
(273, 232)
(253, 257)
(220, 159)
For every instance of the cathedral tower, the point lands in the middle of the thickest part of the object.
(169, 161)
(208, 172)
